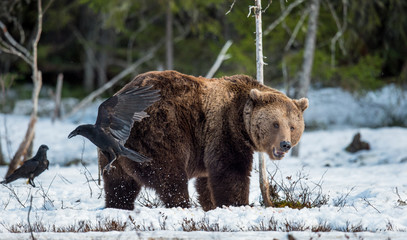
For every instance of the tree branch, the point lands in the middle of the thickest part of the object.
(282, 16)
(231, 7)
(114, 80)
(283, 23)
(221, 57)
(16, 46)
(296, 30)
(341, 30)
(7, 48)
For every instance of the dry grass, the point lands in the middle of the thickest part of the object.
(105, 225)
(187, 225)
(296, 192)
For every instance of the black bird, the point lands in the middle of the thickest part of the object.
(115, 119)
(31, 168)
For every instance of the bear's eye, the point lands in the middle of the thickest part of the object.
(292, 129)
(276, 125)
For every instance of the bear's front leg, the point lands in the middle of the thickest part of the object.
(229, 184)
(120, 192)
(121, 189)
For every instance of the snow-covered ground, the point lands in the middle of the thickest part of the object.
(367, 190)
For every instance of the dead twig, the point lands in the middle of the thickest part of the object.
(368, 203)
(28, 218)
(44, 193)
(14, 194)
(231, 7)
(88, 175)
(341, 201)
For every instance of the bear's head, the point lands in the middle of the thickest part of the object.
(274, 121)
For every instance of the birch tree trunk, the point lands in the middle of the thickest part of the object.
(89, 25)
(264, 183)
(2, 161)
(304, 78)
(21, 154)
(58, 93)
(88, 73)
(169, 38)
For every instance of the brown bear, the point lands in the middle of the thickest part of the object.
(206, 129)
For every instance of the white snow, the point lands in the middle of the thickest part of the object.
(372, 184)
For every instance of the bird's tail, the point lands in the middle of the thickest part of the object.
(10, 179)
(135, 156)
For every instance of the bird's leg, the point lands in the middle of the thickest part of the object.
(31, 182)
(109, 165)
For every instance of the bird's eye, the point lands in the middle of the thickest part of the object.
(292, 129)
(276, 125)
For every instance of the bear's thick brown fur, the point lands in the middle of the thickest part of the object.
(206, 129)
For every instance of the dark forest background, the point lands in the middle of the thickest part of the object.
(361, 45)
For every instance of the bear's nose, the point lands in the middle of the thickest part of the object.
(285, 145)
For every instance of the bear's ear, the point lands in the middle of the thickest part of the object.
(302, 103)
(257, 96)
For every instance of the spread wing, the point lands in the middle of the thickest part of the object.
(117, 114)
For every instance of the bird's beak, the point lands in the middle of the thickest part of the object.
(72, 134)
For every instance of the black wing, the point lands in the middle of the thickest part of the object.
(24, 171)
(117, 114)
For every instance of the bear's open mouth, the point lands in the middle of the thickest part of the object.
(278, 154)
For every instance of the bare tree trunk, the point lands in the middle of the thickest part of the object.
(169, 37)
(89, 74)
(2, 161)
(304, 80)
(308, 58)
(2, 101)
(90, 24)
(23, 149)
(21, 153)
(58, 92)
(4, 91)
(101, 67)
(264, 183)
(105, 38)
